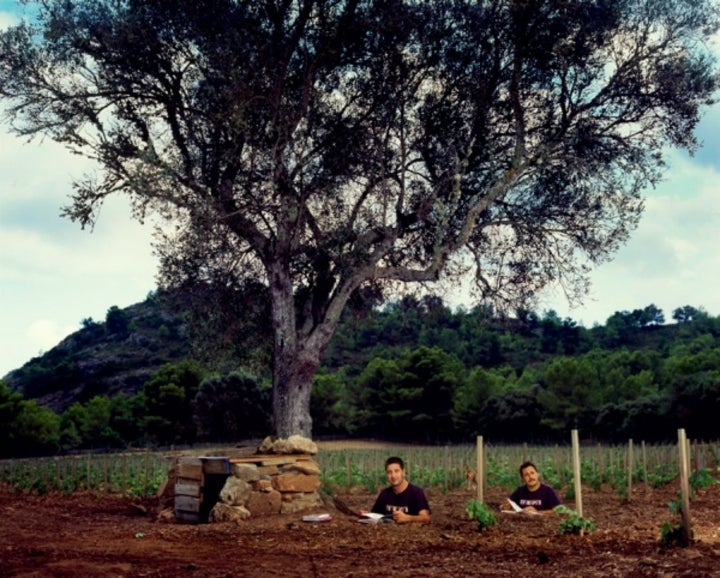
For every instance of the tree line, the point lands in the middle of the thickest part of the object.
(416, 370)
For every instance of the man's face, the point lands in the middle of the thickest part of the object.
(395, 474)
(531, 478)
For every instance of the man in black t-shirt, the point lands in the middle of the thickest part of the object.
(402, 500)
(533, 496)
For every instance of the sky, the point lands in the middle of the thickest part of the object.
(53, 274)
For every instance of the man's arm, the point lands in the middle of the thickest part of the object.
(422, 517)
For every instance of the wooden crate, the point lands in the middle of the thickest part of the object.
(197, 486)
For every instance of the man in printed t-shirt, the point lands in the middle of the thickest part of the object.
(402, 500)
(534, 496)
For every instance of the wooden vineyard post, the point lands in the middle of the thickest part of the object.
(74, 477)
(146, 485)
(644, 465)
(348, 470)
(446, 467)
(480, 469)
(559, 464)
(124, 475)
(576, 473)
(684, 486)
(630, 464)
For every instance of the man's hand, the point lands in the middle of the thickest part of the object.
(402, 517)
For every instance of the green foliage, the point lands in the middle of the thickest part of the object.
(25, 427)
(101, 423)
(571, 390)
(573, 523)
(337, 475)
(471, 396)
(117, 321)
(330, 405)
(662, 378)
(408, 397)
(514, 416)
(481, 512)
(672, 531)
(169, 396)
(36, 429)
(232, 408)
(702, 478)
(133, 474)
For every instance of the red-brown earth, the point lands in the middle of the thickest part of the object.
(96, 535)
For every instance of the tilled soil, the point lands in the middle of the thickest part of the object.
(92, 535)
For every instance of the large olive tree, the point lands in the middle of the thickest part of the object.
(322, 147)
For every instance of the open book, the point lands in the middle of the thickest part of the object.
(516, 509)
(514, 506)
(317, 518)
(373, 518)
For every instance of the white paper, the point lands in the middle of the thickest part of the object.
(374, 518)
(317, 518)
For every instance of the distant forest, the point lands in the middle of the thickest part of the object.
(414, 370)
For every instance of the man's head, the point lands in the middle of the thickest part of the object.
(530, 476)
(395, 472)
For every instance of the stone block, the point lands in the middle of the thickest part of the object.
(262, 486)
(301, 502)
(306, 467)
(264, 503)
(246, 472)
(235, 492)
(294, 444)
(295, 482)
(226, 513)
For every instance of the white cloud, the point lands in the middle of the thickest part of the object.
(671, 260)
(45, 334)
(7, 19)
(52, 273)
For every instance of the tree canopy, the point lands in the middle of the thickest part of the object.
(329, 149)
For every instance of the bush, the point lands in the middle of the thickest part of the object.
(574, 523)
(480, 511)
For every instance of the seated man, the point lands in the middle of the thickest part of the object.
(533, 496)
(402, 500)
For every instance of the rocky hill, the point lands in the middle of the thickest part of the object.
(104, 358)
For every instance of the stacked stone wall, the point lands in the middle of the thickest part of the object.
(277, 479)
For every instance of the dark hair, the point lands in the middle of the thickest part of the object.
(395, 460)
(527, 464)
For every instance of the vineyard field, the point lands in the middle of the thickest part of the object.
(103, 532)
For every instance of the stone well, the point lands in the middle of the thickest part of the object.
(278, 477)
